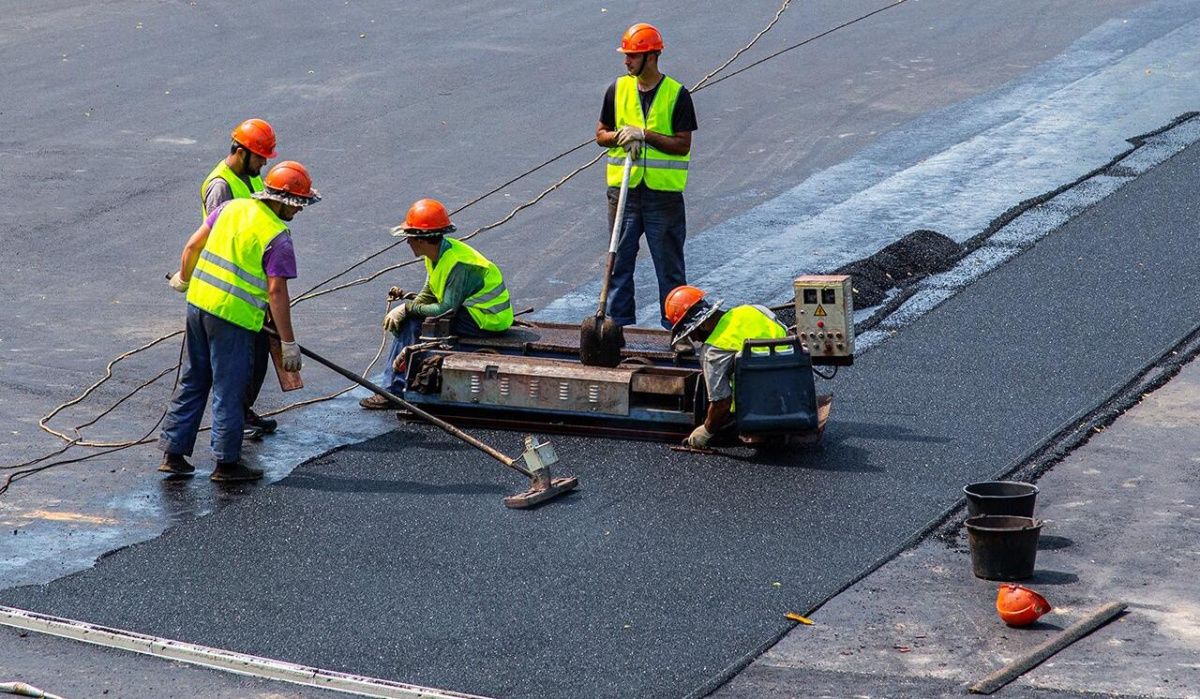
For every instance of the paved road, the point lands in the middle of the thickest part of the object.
(394, 558)
(116, 110)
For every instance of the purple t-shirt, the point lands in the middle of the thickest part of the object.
(279, 257)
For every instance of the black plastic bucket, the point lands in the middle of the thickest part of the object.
(1001, 498)
(1003, 547)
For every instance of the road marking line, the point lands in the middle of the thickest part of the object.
(218, 659)
(67, 517)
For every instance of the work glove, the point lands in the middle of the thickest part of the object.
(178, 283)
(631, 139)
(630, 133)
(699, 438)
(291, 356)
(394, 320)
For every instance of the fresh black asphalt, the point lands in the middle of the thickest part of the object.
(396, 558)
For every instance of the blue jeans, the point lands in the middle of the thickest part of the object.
(219, 357)
(660, 216)
(462, 325)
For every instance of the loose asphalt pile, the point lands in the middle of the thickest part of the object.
(396, 558)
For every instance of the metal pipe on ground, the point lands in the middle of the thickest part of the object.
(1035, 657)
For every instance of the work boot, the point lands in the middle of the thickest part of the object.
(176, 464)
(377, 402)
(252, 433)
(236, 471)
(266, 424)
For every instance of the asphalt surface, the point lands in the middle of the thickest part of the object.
(116, 112)
(395, 558)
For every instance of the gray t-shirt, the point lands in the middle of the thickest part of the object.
(717, 365)
(218, 193)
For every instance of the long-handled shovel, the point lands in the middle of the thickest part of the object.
(601, 339)
(538, 456)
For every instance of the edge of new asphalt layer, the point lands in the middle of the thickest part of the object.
(937, 340)
(1120, 523)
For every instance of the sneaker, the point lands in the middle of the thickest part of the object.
(228, 473)
(377, 402)
(252, 433)
(176, 464)
(266, 424)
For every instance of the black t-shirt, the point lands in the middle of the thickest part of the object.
(683, 119)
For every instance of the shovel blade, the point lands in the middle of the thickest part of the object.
(600, 342)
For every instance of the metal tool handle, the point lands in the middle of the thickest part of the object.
(431, 419)
(616, 233)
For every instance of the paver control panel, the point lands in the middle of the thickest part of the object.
(825, 317)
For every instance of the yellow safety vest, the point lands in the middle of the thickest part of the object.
(662, 171)
(490, 306)
(236, 185)
(742, 323)
(229, 280)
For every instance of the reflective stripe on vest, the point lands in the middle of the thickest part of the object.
(742, 323)
(490, 307)
(662, 171)
(236, 185)
(229, 280)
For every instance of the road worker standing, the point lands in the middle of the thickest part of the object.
(234, 268)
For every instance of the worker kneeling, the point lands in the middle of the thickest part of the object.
(722, 334)
(458, 280)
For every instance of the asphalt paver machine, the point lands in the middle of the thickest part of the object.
(531, 377)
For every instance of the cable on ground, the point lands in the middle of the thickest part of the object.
(313, 292)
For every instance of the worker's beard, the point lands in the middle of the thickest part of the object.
(247, 169)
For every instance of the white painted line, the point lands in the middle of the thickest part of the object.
(218, 659)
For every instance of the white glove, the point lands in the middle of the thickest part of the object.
(699, 438)
(178, 283)
(395, 318)
(629, 134)
(291, 356)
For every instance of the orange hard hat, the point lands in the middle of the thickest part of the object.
(641, 38)
(686, 310)
(426, 218)
(1018, 605)
(256, 136)
(290, 183)
(679, 301)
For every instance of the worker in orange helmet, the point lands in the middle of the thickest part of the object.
(459, 280)
(721, 334)
(234, 268)
(650, 116)
(237, 177)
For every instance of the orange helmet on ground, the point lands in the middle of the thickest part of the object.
(256, 136)
(641, 38)
(686, 310)
(1018, 605)
(426, 218)
(289, 182)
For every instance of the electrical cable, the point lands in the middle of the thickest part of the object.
(312, 292)
(827, 377)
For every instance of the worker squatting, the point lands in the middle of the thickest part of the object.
(236, 266)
